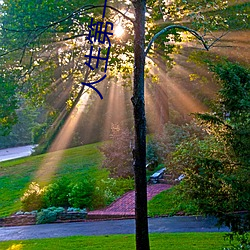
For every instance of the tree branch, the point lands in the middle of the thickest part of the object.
(112, 8)
(218, 38)
(25, 45)
(42, 29)
(76, 12)
(193, 32)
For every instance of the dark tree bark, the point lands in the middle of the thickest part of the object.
(139, 151)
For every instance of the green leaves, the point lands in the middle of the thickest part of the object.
(217, 168)
(235, 81)
(8, 106)
(40, 29)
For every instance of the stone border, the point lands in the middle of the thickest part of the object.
(30, 219)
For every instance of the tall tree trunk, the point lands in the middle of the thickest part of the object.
(139, 152)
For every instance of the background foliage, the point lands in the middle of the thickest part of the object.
(217, 168)
(118, 154)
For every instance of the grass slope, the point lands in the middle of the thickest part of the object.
(16, 175)
(76, 163)
(170, 202)
(173, 241)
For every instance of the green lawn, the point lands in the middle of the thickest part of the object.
(171, 241)
(169, 202)
(16, 175)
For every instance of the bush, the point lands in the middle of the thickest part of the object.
(152, 155)
(61, 193)
(81, 194)
(57, 193)
(85, 194)
(103, 193)
(78, 210)
(243, 242)
(33, 198)
(208, 180)
(48, 215)
(38, 131)
(109, 189)
(123, 185)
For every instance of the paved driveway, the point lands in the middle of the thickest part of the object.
(14, 153)
(159, 225)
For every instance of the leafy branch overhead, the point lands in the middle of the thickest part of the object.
(48, 37)
(46, 48)
(82, 14)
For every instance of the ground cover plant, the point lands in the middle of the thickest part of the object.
(170, 241)
(48, 215)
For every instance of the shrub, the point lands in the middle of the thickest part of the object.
(208, 181)
(33, 197)
(109, 189)
(81, 194)
(48, 215)
(57, 193)
(216, 168)
(38, 131)
(123, 185)
(103, 194)
(73, 209)
(152, 155)
(243, 242)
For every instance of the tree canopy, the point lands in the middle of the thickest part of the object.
(216, 168)
(44, 41)
(46, 46)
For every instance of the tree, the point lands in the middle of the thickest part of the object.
(69, 26)
(166, 141)
(139, 151)
(217, 168)
(118, 156)
(8, 106)
(231, 126)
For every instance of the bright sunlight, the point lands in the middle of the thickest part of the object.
(119, 31)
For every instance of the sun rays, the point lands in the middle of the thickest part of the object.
(169, 99)
(172, 93)
(51, 161)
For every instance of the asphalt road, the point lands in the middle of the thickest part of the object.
(156, 225)
(14, 153)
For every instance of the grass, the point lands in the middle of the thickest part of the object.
(16, 175)
(169, 203)
(170, 241)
